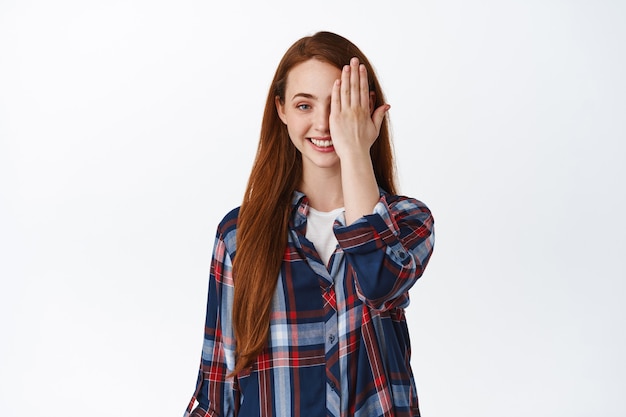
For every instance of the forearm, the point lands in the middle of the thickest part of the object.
(360, 189)
(388, 249)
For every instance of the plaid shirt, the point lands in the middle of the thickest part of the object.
(338, 342)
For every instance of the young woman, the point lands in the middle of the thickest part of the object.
(310, 276)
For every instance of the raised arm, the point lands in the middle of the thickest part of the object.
(354, 127)
(388, 249)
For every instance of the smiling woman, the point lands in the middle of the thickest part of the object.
(306, 112)
(310, 276)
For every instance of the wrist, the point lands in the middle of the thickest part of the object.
(355, 156)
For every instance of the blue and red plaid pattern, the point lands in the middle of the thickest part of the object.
(338, 342)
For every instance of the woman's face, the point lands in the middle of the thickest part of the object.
(306, 110)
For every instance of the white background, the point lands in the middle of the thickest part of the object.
(127, 130)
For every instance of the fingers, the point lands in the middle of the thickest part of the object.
(355, 85)
(364, 88)
(354, 90)
(335, 96)
(379, 115)
(353, 117)
(345, 86)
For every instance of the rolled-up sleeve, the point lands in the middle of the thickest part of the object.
(389, 249)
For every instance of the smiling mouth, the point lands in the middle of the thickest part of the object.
(321, 143)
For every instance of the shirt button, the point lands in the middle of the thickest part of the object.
(332, 385)
(331, 338)
(402, 254)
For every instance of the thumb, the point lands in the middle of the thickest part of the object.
(379, 115)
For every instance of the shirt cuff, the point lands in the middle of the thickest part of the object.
(371, 232)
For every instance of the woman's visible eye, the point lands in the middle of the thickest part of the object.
(303, 107)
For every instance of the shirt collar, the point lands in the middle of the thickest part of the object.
(300, 206)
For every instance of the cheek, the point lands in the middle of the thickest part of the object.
(296, 139)
(296, 126)
(295, 133)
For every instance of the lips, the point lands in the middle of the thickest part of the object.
(322, 143)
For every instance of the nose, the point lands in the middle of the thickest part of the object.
(321, 122)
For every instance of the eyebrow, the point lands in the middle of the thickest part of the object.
(305, 95)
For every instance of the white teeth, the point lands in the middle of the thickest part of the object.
(322, 143)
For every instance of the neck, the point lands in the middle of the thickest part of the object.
(323, 188)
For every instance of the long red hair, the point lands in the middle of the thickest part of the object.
(262, 226)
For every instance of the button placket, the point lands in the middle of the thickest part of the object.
(331, 332)
(332, 358)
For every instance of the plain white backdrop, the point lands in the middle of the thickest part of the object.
(128, 128)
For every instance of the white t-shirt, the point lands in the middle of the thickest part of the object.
(319, 231)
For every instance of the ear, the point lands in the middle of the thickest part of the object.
(372, 102)
(280, 109)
